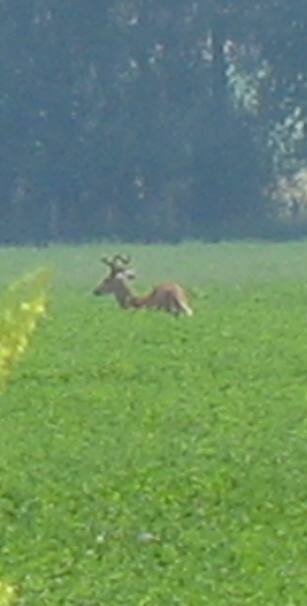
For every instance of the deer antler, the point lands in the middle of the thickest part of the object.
(123, 258)
(116, 263)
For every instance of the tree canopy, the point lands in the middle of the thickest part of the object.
(149, 120)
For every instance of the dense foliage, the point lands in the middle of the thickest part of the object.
(147, 119)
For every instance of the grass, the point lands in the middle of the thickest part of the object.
(150, 461)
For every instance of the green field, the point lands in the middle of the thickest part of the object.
(148, 460)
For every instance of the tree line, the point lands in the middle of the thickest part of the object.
(149, 119)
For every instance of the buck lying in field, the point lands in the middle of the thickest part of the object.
(169, 296)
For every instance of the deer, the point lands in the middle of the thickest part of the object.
(169, 296)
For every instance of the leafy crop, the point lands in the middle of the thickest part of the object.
(148, 460)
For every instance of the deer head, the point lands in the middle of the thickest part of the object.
(116, 282)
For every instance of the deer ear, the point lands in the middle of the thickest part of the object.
(130, 274)
(126, 274)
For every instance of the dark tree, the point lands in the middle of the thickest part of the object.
(117, 119)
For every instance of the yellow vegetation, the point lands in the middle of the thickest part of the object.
(21, 307)
(7, 594)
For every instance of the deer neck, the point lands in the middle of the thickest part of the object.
(123, 294)
(126, 297)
